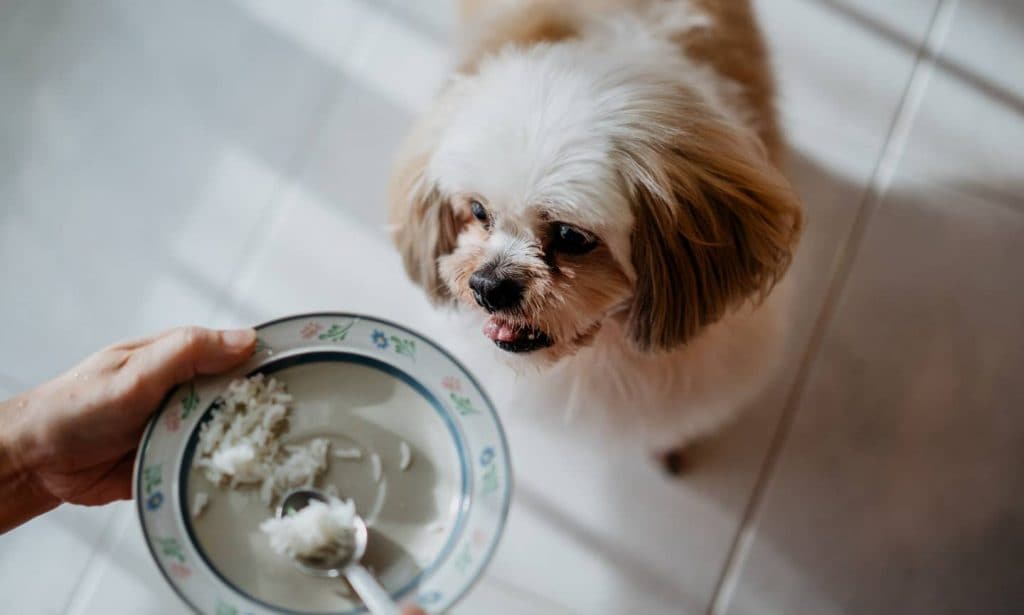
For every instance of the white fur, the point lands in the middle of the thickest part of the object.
(539, 127)
(658, 401)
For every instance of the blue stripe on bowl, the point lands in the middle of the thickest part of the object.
(340, 356)
(507, 491)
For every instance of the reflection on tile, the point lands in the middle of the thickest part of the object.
(968, 130)
(595, 526)
(843, 65)
(123, 578)
(328, 247)
(318, 256)
(898, 490)
(63, 541)
(389, 52)
(137, 165)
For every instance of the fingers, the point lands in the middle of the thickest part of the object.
(412, 609)
(115, 484)
(180, 354)
(121, 478)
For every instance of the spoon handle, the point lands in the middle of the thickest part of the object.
(377, 600)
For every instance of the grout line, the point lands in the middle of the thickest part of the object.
(296, 163)
(96, 566)
(899, 135)
(226, 305)
(878, 184)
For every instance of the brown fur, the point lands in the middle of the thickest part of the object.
(567, 298)
(541, 21)
(715, 225)
(425, 225)
(715, 220)
(733, 46)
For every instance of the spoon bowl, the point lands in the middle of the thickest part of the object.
(327, 567)
(346, 563)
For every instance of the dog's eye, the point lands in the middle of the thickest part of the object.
(478, 211)
(570, 240)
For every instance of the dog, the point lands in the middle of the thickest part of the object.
(599, 185)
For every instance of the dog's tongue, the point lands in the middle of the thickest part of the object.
(499, 331)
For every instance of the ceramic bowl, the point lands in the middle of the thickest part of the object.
(363, 383)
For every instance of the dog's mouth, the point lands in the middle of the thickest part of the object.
(513, 337)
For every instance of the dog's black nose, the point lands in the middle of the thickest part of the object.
(495, 293)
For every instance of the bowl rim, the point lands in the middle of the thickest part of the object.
(508, 491)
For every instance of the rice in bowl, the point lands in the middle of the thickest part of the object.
(239, 445)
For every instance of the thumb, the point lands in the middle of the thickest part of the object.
(180, 354)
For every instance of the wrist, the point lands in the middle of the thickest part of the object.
(22, 495)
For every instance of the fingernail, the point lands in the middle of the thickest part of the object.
(238, 339)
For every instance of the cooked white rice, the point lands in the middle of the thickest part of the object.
(378, 471)
(320, 531)
(405, 456)
(238, 446)
(348, 453)
(199, 503)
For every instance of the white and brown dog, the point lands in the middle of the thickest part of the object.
(599, 182)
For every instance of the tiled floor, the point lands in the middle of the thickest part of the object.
(224, 162)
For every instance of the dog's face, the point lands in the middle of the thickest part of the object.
(545, 276)
(550, 192)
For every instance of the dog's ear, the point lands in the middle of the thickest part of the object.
(715, 225)
(423, 222)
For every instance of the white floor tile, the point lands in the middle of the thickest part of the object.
(437, 17)
(319, 257)
(170, 161)
(597, 528)
(123, 578)
(897, 491)
(843, 65)
(139, 165)
(967, 132)
(61, 542)
(327, 247)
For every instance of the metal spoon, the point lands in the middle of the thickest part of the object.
(377, 600)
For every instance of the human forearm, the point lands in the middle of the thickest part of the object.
(21, 495)
(73, 438)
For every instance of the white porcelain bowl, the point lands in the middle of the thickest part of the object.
(361, 382)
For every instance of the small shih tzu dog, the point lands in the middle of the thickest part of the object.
(599, 183)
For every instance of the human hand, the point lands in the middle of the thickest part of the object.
(74, 438)
(412, 609)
